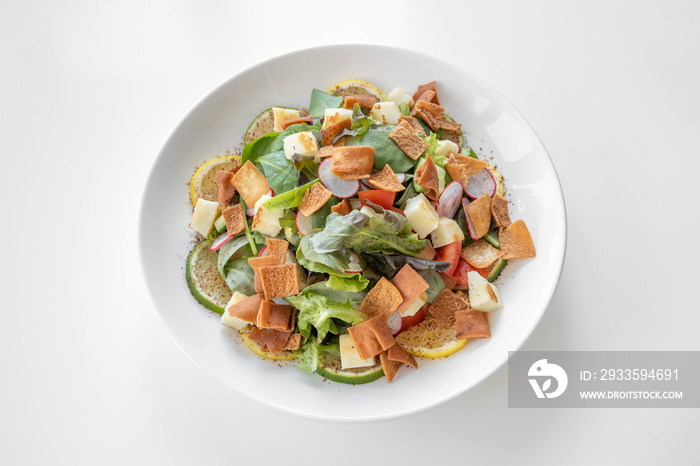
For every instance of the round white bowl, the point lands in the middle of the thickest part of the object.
(215, 126)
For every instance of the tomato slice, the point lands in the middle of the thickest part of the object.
(449, 253)
(417, 318)
(463, 268)
(378, 196)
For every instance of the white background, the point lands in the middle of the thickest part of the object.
(88, 93)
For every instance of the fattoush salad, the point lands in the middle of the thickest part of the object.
(353, 236)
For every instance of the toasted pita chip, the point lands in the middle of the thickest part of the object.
(273, 341)
(250, 183)
(462, 167)
(428, 96)
(415, 126)
(386, 180)
(247, 310)
(430, 113)
(472, 324)
(479, 211)
(382, 300)
(445, 306)
(426, 87)
(352, 162)
(389, 367)
(499, 210)
(364, 101)
(516, 241)
(427, 176)
(275, 316)
(410, 284)
(408, 141)
(234, 218)
(343, 208)
(256, 263)
(314, 198)
(278, 249)
(279, 281)
(480, 254)
(331, 131)
(294, 121)
(393, 358)
(327, 151)
(371, 337)
(293, 342)
(224, 188)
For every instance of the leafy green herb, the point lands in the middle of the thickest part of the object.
(386, 151)
(280, 174)
(320, 101)
(404, 109)
(261, 146)
(435, 283)
(388, 265)
(251, 241)
(289, 199)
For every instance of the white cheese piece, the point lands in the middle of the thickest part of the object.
(349, 357)
(303, 143)
(386, 113)
(283, 114)
(266, 221)
(398, 95)
(483, 296)
(415, 306)
(445, 148)
(447, 231)
(336, 115)
(421, 215)
(204, 216)
(227, 319)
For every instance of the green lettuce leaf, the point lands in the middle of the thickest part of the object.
(333, 263)
(280, 174)
(320, 101)
(386, 151)
(318, 304)
(289, 199)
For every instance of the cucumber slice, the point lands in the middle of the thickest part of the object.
(264, 124)
(220, 224)
(492, 238)
(496, 269)
(329, 366)
(206, 283)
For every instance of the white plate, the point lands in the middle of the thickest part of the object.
(216, 125)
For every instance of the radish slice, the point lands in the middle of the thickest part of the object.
(263, 252)
(220, 240)
(448, 203)
(303, 224)
(354, 268)
(401, 177)
(394, 322)
(249, 211)
(365, 182)
(480, 184)
(339, 187)
(470, 224)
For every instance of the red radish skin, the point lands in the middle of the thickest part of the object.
(263, 252)
(470, 224)
(401, 177)
(480, 184)
(220, 240)
(249, 211)
(303, 224)
(340, 188)
(448, 202)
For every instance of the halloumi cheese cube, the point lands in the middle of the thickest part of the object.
(336, 115)
(399, 95)
(265, 220)
(483, 296)
(303, 143)
(421, 215)
(349, 357)
(227, 319)
(386, 113)
(445, 148)
(415, 306)
(204, 216)
(447, 231)
(280, 114)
